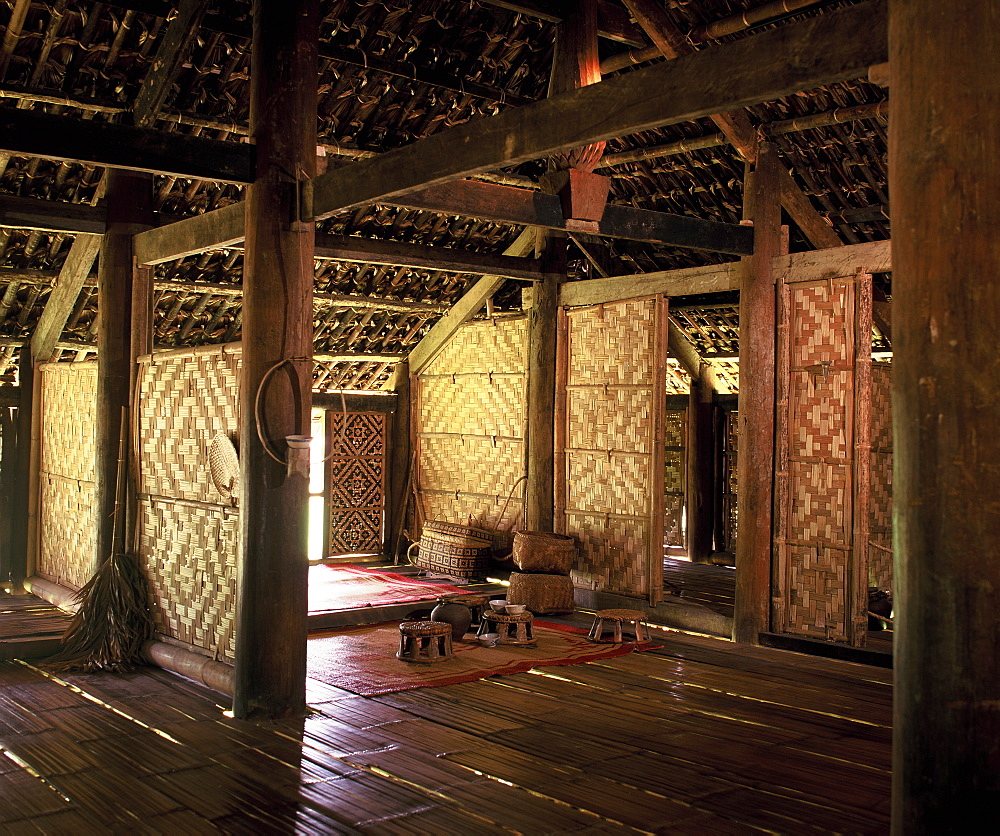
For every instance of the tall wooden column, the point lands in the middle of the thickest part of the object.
(277, 352)
(575, 63)
(944, 157)
(541, 389)
(129, 199)
(700, 471)
(756, 407)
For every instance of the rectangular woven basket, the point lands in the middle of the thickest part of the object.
(453, 549)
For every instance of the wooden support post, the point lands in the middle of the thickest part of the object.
(19, 481)
(399, 461)
(129, 196)
(700, 470)
(541, 393)
(756, 408)
(277, 364)
(946, 304)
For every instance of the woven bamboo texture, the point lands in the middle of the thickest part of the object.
(880, 529)
(674, 438)
(355, 480)
(68, 545)
(822, 384)
(185, 401)
(611, 447)
(188, 541)
(469, 425)
(190, 559)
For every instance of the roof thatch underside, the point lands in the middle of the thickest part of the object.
(391, 72)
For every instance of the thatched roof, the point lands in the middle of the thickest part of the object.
(393, 71)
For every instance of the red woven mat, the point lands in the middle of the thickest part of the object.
(363, 659)
(350, 587)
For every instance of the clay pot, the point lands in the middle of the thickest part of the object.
(457, 615)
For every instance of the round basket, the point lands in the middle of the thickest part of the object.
(453, 549)
(224, 465)
(539, 551)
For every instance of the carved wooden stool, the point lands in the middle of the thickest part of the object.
(424, 641)
(512, 629)
(617, 617)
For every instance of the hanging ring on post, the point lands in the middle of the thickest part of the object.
(256, 405)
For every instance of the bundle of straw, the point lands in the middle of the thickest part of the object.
(113, 620)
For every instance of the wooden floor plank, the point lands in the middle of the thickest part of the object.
(697, 736)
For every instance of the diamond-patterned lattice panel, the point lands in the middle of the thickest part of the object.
(613, 344)
(817, 592)
(821, 503)
(355, 479)
(818, 423)
(600, 418)
(821, 315)
(880, 520)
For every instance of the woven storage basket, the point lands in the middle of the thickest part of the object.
(452, 549)
(538, 551)
(541, 593)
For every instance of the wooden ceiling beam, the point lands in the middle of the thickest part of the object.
(612, 21)
(815, 52)
(51, 215)
(33, 134)
(172, 51)
(736, 125)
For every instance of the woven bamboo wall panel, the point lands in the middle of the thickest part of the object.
(355, 482)
(822, 317)
(68, 550)
(817, 601)
(821, 503)
(469, 423)
(68, 545)
(478, 404)
(880, 525)
(477, 511)
(189, 554)
(69, 419)
(491, 346)
(613, 344)
(443, 464)
(819, 423)
(600, 418)
(597, 482)
(821, 363)
(184, 402)
(611, 553)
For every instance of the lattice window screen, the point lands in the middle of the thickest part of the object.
(674, 477)
(355, 481)
(880, 532)
(822, 452)
(610, 443)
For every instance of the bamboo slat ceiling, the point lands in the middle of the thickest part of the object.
(391, 72)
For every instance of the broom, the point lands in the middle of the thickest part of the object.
(113, 620)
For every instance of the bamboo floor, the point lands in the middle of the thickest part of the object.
(29, 626)
(697, 736)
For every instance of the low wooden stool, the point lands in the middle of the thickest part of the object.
(617, 617)
(512, 629)
(424, 641)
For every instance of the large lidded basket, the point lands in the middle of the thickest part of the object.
(452, 549)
